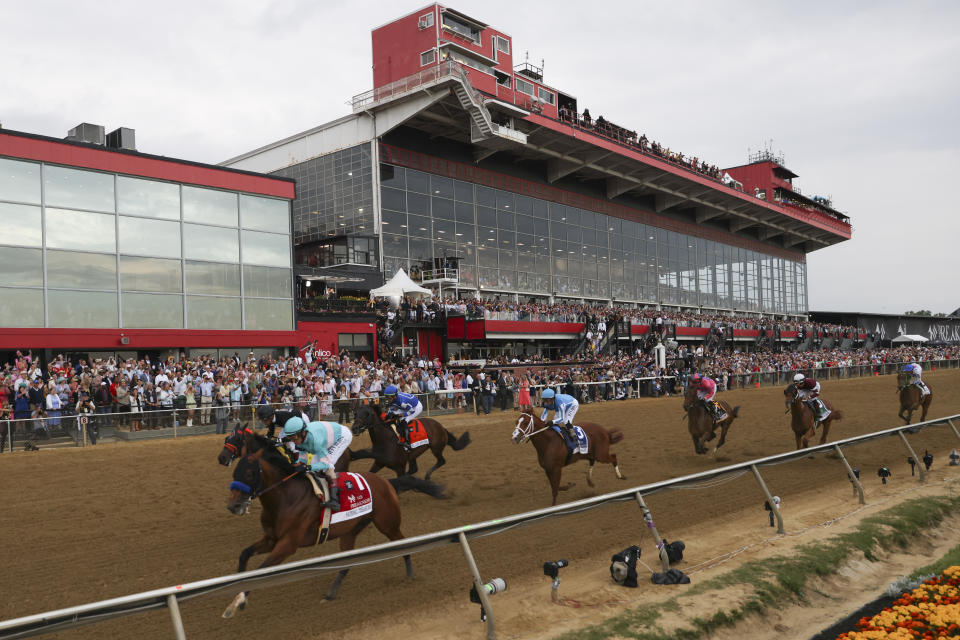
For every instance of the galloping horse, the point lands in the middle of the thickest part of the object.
(233, 447)
(700, 423)
(387, 452)
(292, 514)
(552, 451)
(911, 399)
(802, 419)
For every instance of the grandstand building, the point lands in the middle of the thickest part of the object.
(470, 171)
(108, 251)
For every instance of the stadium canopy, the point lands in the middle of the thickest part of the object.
(400, 285)
(909, 338)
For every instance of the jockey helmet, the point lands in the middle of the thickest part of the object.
(548, 394)
(695, 378)
(390, 391)
(706, 384)
(799, 377)
(908, 368)
(265, 413)
(293, 426)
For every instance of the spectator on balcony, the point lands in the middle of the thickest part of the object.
(587, 120)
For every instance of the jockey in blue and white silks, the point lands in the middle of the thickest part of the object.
(405, 405)
(326, 441)
(564, 407)
(914, 371)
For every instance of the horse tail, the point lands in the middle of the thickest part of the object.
(412, 483)
(458, 443)
(836, 414)
(735, 412)
(616, 435)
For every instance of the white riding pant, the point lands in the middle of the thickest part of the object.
(413, 413)
(337, 448)
(703, 395)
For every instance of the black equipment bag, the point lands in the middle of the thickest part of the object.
(623, 566)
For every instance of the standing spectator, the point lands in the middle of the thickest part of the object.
(136, 409)
(165, 398)
(206, 398)
(489, 390)
(122, 395)
(524, 396)
(221, 411)
(190, 403)
(53, 405)
(103, 401)
(86, 409)
(150, 406)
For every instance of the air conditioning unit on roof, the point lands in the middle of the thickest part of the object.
(422, 24)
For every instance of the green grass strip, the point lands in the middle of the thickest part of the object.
(782, 579)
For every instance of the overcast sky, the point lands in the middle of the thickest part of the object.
(862, 98)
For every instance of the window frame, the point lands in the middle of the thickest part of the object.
(433, 57)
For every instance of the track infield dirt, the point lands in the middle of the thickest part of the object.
(82, 525)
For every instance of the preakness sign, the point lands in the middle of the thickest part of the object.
(329, 338)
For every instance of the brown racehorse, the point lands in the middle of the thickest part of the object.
(912, 399)
(233, 448)
(802, 418)
(552, 451)
(292, 515)
(700, 423)
(387, 452)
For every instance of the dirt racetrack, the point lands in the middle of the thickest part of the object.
(80, 525)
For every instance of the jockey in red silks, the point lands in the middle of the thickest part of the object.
(808, 390)
(706, 390)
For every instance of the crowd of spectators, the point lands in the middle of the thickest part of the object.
(140, 394)
(631, 139)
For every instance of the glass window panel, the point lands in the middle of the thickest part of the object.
(464, 212)
(273, 315)
(19, 181)
(21, 225)
(442, 208)
(393, 199)
(210, 243)
(394, 245)
(465, 233)
(440, 186)
(150, 237)
(21, 307)
(418, 203)
(524, 204)
(150, 274)
(268, 249)
(81, 230)
(152, 311)
(486, 217)
(150, 198)
(393, 176)
(264, 214)
(486, 196)
(266, 282)
(505, 200)
(78, 189)
(421, 249)
(209, 206)
(20, 268)
(213, 278)
(419, 226)
(91, 309)
(394, 221)
(463, 191)
(205, 312)
(71, 270)
(506, 220)
(525, 224)
(418, 181)
(444, 229)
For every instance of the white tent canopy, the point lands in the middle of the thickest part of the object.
(908, 338)
(400, 285)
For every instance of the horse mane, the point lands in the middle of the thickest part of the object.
(271, 454)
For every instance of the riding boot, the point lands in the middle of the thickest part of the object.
(334, 502)
(571, 432)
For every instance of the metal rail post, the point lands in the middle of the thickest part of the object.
(478, 583)
(922, 474)
(857, 487)
(766, 492)
(648, 518)
(955, 432)
(175, 618)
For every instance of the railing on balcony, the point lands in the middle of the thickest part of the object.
(322, 305)
(426, 77)
(440, 275)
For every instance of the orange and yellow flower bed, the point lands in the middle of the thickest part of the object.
(930, 611)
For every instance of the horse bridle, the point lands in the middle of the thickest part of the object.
(248, 490)
(527, 436)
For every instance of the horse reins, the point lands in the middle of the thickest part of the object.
(527, 436)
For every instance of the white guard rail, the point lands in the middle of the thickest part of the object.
(304, 569)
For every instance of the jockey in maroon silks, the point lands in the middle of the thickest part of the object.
(808, 390)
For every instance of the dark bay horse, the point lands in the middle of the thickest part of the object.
(552, 452)
(233, 448)
(700, 423)
(387, 452)
(912, 399)
(292, 514)
(802, 419)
